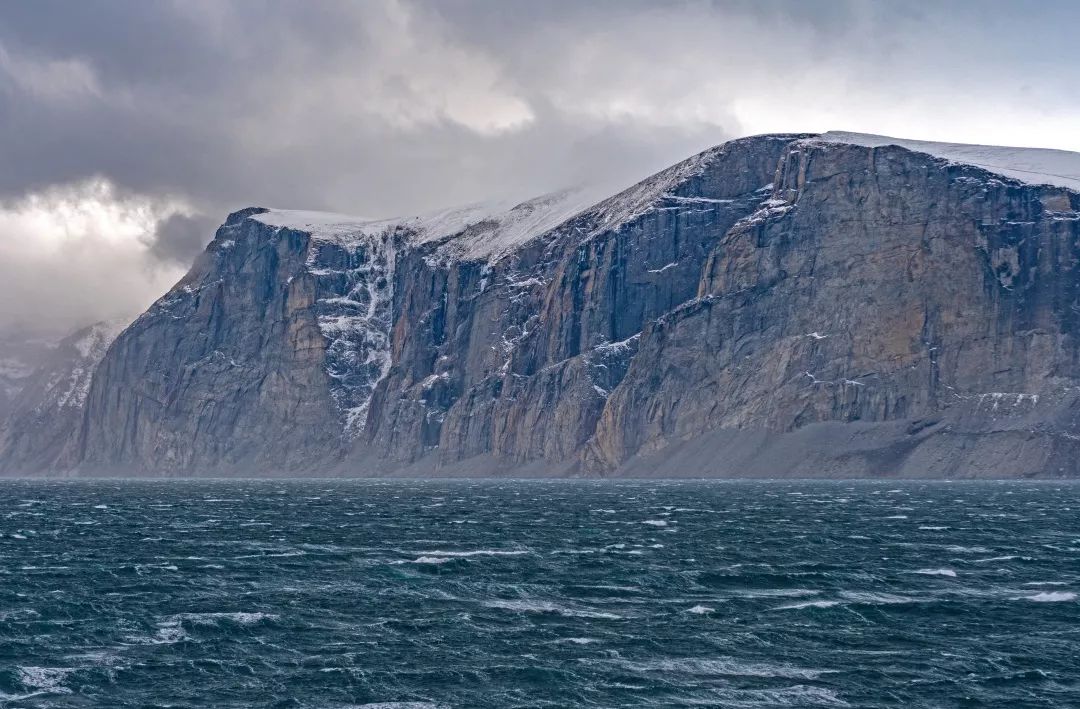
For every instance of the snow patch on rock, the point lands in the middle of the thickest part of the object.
(73, 386)
(356, 324)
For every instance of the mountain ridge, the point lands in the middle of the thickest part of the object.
(540, 338)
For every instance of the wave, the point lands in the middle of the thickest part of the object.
(799, 695)
(479, 552)
(19, 614)
(701, 610)
(240, 618)
(398, 705)
(875, 599)
(807, 604)
(722, 667)
(1050, 597)
(431, 560)
(935, 572)
(45, 679)
(549, 607)
(779, 593)
(168, 633)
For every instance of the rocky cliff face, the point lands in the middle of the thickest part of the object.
(932, 307)
(778, 305)
(41, 428)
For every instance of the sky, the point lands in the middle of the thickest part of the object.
(129, 129)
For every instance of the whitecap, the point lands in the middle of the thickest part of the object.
(242, 618)
(935, 572)
(778, 593)
(478, 552)
(613, 587)
(168, 632)
(431, 560)
(701, 610)
(875, 599)
(655, 522)
(45, 679)
(398, 705)
(807, 604)
(799, 695)
(1050, 597)
(724, 667)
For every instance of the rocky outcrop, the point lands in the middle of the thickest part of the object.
(230, 371)
(777, 305)
(935, 305)
(517, 357)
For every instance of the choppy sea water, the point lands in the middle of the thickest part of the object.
(539, 594)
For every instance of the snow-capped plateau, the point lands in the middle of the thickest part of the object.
(482, 231)
(1037, 166)
(489, 230)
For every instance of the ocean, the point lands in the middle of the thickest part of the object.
(416, 595)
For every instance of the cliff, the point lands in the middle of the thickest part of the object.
(835, 305)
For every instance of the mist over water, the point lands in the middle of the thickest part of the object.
(539, 594)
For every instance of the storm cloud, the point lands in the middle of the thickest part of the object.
(161, 117)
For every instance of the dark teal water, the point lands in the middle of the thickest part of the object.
(527, 594)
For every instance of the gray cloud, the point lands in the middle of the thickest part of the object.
(383, 108)
(178, 238)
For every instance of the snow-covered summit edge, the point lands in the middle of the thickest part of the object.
(1036, 166)
(481, 231)
(489, 230)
